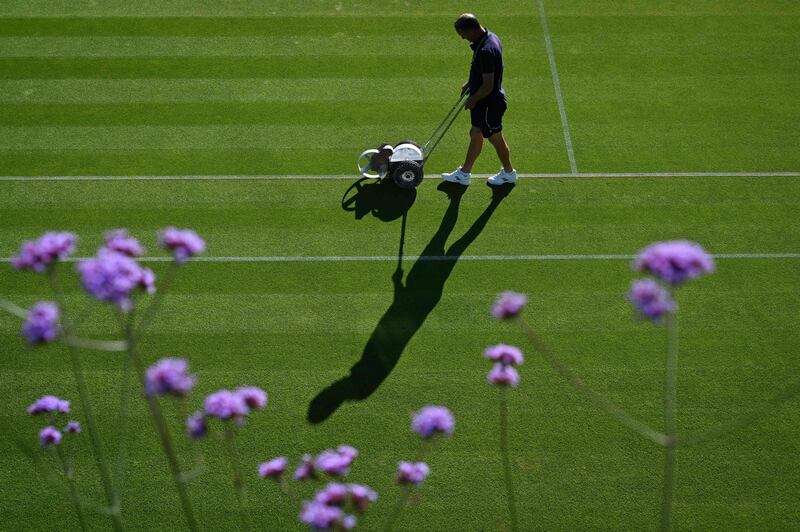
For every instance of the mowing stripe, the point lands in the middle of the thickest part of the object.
(326, 177)
(437, 258)
(557, 86)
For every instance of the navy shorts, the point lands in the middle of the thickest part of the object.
(488, 117)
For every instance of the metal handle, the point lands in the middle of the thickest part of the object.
(451, 116)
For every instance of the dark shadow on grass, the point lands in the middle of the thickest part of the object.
(412, 304)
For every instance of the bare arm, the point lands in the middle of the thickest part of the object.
(485, 90)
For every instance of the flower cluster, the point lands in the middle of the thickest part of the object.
(38, 254)
(509, 305)
(54, 406)
(120, 241)
(327, 510)
(412, 472)
(41, 324)
(168, 377)
(432, 420)
(335, 463)
(112, 277)
(651, 300)
(505, 357)
(183, 243)
(273, 468)
(672, 263)
(226, 405)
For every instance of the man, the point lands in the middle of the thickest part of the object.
(486, 101)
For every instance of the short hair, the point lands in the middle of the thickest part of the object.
(467, 21)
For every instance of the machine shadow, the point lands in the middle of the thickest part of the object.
(410, 307)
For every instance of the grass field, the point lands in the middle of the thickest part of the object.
(300, 88)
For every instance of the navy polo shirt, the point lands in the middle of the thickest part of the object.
(487, 57)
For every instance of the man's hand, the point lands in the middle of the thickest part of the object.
(470, 103)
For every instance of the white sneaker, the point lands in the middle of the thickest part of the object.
(503, 177)
(459, 176)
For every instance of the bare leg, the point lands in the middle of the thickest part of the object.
(475, 145)
(501, 147)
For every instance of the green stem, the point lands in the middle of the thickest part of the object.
(151, 310)
(238, 481)
(577, 383)
(164, 435)
(124, 404)
(512, 506)
(424, 446)
(91, 425)
(670, 407)
(398, 508)
(73, 491)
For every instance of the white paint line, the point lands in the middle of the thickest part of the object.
(557, 87)
(434, 177)
(436, 258)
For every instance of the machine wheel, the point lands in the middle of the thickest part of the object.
(407, 174)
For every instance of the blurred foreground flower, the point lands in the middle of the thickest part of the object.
(508, 355)
(113, 277)
(503, 375)
(509, 305)
(37, 255)
(120, 241)
(651, 300)
(49, 404)
(168, 376)
(41, 324)
(432, 420)
(674, 261)
(183, 243)
(225, 405)
(273, 468)
(49, 436)
(412, 472)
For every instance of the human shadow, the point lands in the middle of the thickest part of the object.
(411, 305)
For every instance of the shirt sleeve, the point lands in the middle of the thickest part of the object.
(486, 62)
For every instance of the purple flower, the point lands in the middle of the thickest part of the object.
(120, 241)
(274, 468)
(508, 355)
(112, 277)
(412, 473)
(361, 496)
(47, 404)
(225, 405)
(183, 243)
(348, 523)
(503, 375)
(431, 420)
(508, 305)
(49, 436)
(41, 324)
(333, 494)
(196, 426)
(168, 376)
(674, 261)
(37, 255)
(255, 398)
(335, 463)
(347, 451)
(73, 427)
(651, 299)
(306, 471)
(321, 516)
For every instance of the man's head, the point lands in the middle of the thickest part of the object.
(468, 27)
